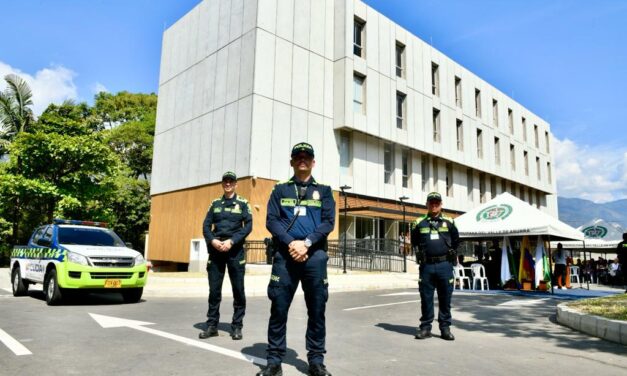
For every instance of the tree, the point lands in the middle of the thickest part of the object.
(123, 107)
(133, 142)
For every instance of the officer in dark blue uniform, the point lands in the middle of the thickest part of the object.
(301, 214)
(226, 226)
(436, 239)
(621, 254)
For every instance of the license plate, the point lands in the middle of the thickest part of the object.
(112, 283)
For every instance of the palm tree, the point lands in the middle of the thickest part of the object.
(15, 118)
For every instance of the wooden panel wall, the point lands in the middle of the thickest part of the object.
(176, 217)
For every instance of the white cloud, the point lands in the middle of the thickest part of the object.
(98, 87)
(596, 173)
(49, 85)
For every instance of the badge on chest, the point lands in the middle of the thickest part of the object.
(300, 210)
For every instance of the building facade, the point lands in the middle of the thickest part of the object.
(388, 115)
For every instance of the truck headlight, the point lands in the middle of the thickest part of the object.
(139, 259)
(77, 259)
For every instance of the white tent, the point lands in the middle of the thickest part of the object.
(506, 215)
(599, 235)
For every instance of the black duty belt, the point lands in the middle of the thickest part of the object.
(436, 259)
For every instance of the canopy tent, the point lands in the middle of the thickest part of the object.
(506, 215)
(600, 236)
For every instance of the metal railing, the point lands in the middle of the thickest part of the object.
(370, 254)
(255, 252)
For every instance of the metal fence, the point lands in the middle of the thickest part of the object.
(256, 252)
(370, 254)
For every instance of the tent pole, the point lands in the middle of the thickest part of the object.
(551, 265)
(586, 262)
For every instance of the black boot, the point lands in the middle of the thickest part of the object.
(318, 370)
(236, 334)
(211, 331)
(271, 370)
(423, 334)
(446, 334)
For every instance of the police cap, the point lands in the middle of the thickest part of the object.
(434, 196)
(229, 175)
(303, 147)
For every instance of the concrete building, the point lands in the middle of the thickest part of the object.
(388, 115)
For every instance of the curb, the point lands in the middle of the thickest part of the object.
(609, 330)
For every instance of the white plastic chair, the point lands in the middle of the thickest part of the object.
(574, 274)
(460, 277)
(478, 275)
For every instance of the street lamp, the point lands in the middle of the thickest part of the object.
(403, 198)
(344, 188)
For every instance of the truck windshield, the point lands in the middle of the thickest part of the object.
(89, 236)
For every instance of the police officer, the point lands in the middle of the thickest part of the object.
(301, 214)
(226, 226)
(436, 239)
(621, 254)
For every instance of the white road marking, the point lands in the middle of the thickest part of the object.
(13, 345)
(402, 293)
(521, 302)
(380, 305)
(115, 322)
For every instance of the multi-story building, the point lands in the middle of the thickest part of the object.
(388, 115)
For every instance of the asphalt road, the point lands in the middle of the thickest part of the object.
(368, 333)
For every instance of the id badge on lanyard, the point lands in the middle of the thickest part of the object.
(300, 211)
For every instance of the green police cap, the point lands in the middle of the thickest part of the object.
(229, 175)
(434, 196)
(303, 147)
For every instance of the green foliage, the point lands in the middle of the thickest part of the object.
(133, 142)
(123, 107)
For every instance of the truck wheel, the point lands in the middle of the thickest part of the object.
(20, 286)
(52, 289)
(132, 295)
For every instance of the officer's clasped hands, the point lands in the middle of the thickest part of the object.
(224, 246)
(298, 251)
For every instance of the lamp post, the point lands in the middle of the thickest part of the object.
(403, 198)
(344, 188)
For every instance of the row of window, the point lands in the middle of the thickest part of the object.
(359, 81)
(389, 162)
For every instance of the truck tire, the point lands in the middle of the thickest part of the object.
(132, 295)
(52, 289)
(20, 286)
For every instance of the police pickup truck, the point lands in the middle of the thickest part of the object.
(71, 256)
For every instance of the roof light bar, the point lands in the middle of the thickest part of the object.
(59, 221)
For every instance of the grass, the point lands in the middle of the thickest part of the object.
(611, 307)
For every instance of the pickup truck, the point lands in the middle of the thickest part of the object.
(70, 257)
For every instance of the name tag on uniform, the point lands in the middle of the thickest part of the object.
(435, 236)
(300, 210)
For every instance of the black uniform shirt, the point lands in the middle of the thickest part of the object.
(228, 219)
(434, 236)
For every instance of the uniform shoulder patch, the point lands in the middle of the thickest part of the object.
(241, 199)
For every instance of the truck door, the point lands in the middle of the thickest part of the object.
(43, 245)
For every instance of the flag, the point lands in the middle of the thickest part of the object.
(525, 266)
(506, 255)
(547, 269)
(539, 267)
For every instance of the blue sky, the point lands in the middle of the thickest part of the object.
(565, 60)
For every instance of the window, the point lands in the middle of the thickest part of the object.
(503, 185)
(510, 120)
(435, 79)
(388, 162)
(469, 183)
(548, 172)
(478, 103)
(436, 174)
(345, 153)
(460, 135)
(535, 136)
(359, 28)
(526, 159)
(458, 92)
(547, 141)
(497, 151)
(521, 192)
(400, 59)
(482, 197)
(512, 156)
(358, 94)
(406, 162)
(492, 187)
(538, 199)
(538, 168)
(524, 129)
(424, 171)
(436, 125)
(400, 110)
(495, 113)
(479, 143)
(449, 179)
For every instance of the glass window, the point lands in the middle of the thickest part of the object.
(358, 94)
(479, 143)
(435, 79)
(400, 57)
(495, 113)
(478, 103)
(436, 126)
(497, 151)
(460, 135)
(458, 92)
(89, 236)
(358, 37)
(400, 110)
(388, 162)
(510, 120)
(424, 171)
(406, 162)
(345, 153)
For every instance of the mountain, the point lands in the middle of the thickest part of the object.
(576, 211)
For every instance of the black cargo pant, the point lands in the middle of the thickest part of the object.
(235, 262)
(436, 276)
(286, 275)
